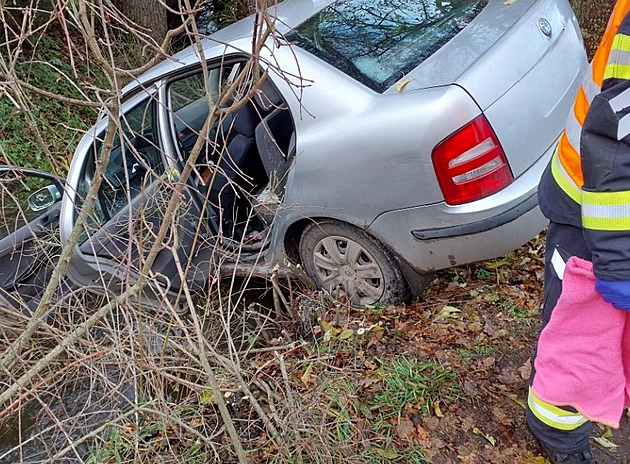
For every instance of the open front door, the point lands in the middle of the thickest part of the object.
(137, 185)
(29, 234)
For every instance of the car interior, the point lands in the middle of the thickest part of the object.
(243, 168)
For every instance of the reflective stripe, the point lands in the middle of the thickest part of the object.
(621, 43)
(619, 56)
(563, 179)
(623, 127)
(617, 71)
(573, 130)
(591, 89)
(612, 59)
(558, 264)
(606, 210)
(601, 55)
(554, 416)
(621, 101)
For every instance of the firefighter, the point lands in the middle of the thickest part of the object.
(585, 193)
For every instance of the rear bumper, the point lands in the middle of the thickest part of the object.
(439, 236)
(439, 252)
(479, 226)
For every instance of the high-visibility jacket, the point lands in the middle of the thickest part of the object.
(587, 182)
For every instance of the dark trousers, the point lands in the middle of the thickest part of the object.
(567, 241)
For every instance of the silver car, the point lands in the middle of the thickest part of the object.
(414, 142)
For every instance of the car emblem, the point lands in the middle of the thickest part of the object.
(544, 27)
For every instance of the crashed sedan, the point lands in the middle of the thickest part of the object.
(388, 140)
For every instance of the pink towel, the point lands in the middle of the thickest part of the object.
(583, 357)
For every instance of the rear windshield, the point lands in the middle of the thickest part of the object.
(378, 41)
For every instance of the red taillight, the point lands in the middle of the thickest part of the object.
(470, 163)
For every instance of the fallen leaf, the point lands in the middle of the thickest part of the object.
(405, 429)
(515, 398)
(346, 334)
(207, 397)
(306, 377)
(509, 2)
(446, 313)
(526, 369)
(502, 416)
(605, 443)
(537, 460)
(386, 453)
(436, 409)
(488, 437)
(400, 85)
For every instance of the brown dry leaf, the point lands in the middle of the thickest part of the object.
(436, 409)
(306, 377)
(195, 422)
(405, 429)
(423, 437)
(400, 85)
(526, 369)
(487, 436)
(432, 423)
(502, 416)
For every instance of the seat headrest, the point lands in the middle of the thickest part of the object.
(245, 120)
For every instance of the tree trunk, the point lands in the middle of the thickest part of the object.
(148, 14)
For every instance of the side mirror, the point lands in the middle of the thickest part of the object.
(44, 198)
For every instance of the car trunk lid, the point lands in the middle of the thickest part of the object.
(547, 67)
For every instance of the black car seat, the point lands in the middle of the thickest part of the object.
(240, 170)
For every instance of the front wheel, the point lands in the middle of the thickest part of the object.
(343, 259)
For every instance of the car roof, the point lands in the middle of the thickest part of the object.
(288, 14)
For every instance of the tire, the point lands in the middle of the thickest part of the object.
(344, 260)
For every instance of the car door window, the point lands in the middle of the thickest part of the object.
(134, 161)
(189, 104)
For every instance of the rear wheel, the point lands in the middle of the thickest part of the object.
(343, 259)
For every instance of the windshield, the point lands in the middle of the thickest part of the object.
(377, 41)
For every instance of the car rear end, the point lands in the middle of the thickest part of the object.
(521, 63)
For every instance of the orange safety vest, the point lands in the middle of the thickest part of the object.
(566, 165)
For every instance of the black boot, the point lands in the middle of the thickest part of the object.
(585, 457)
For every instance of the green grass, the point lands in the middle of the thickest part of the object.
(411, 381)
(151, 438)
(46, 128)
